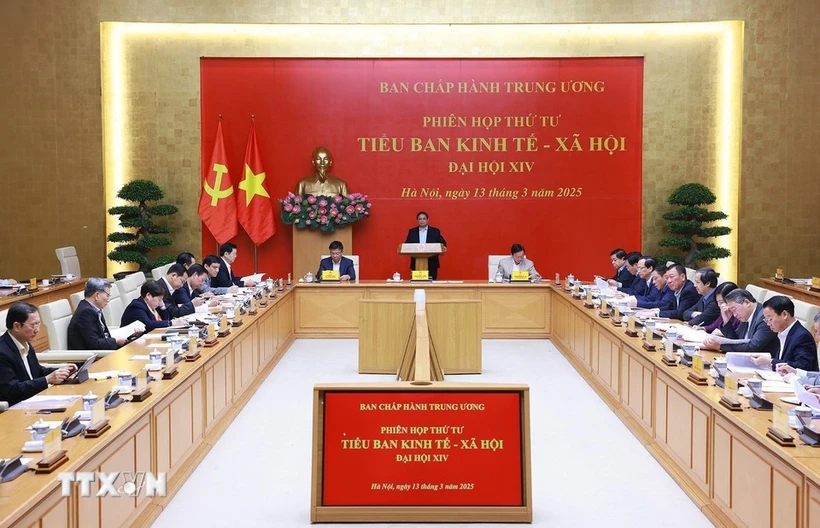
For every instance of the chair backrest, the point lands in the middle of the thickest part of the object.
(69, 262)
(3, 315)
(690, 273)
(355, 259)
(492, 264)
(160, 272)
(129, 288)
(805, 312)
(75, 299)
(56, 316)
(772, 293)
(758, 292)
(113, 310)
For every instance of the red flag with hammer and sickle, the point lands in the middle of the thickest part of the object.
(217, 203)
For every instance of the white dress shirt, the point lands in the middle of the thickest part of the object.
(23, 349)
(422, 235)
(337, 265)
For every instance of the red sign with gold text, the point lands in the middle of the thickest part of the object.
(422, 449)
(542, 152)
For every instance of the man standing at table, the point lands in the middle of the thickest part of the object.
(21, 375)
(426, 234)
(517, 261)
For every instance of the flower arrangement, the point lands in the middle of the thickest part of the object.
(324, 212)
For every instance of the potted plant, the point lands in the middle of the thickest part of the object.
(135, 246)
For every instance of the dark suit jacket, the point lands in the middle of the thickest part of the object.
(175, 310)
(708, 308)
(184, 295)
(623, 276)
(663, 299)
(689, 296)
(761, 337)
(15, 385)
(225, 278)
(137, 310)
(638, 288)
(345, 268)
(433, 237)
(799, 350)
(85, 331)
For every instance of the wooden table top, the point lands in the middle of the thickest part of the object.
(423, 284)
(798, 291)
(6, 297)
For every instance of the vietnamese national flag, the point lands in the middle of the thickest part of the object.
(217, 204)
(254, 206)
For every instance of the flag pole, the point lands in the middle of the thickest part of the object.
(255, 259)
(216, 242)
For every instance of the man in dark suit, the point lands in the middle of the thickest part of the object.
(88, 329)
(337, 262)
(618, 259)
(189, 293)
(795, 344)
(173, 280)
(751, 335)
(149, 309)
(642, 283)
(660, 296)
(225, 278)
(426, 234)
(686, 295)
(21, 375)
(706, 309)
(625, 280)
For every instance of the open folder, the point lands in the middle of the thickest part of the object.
(256, 277)
(125, 332)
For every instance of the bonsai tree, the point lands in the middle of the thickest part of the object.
(686, 224)
(135, 246)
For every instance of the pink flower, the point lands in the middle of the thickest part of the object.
(337, 198)
(323, 202)
(369, 205)
(366, 213)
(338, 220)
(349, 209)
(298, 197)
(334, 212)
(311, 199)
(296, 209)
(322, 210)
(359, 208)
(323, 220)
(288, 208)
(307, 222)
(311, 215)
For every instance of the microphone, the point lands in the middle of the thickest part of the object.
(4, 406)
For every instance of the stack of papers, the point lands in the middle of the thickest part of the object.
(47, 401)
(256, 277)
(604, 288)
(690, 335)
(741, 362)
(124, 332)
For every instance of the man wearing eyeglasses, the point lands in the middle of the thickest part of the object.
(795, 343)
(752, 334)
(338, 263)
(88, 329)
(21, 375)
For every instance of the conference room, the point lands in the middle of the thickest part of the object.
(419, 200)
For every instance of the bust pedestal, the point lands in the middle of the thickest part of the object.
(310, 244)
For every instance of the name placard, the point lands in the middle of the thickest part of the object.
(420, 275)
(778, 274)
(780, 420)
(192, 344)
(212, 331)
(98, 412)
(520, 276)
(697, 363)
(630, 322)
(815, 283)
(169, 358)
(730, 388)
(603, 304)
(53, 443)
(330, 275)
(223, 323)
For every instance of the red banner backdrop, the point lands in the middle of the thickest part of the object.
(543, 152)
(432, 448)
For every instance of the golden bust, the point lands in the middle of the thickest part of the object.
(321, 183)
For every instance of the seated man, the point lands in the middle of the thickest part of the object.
(225, 278)
(632, 260)
(336, 262)
(149, 309)
(642, 283)
(517, 261)
(752, 334)
(706, 310)
(795, 344)
(212, 264)
(21, 375)
(618, 259)
(685, 295)
(190, 293)
(173, 280)
(661, 297)
(186, 259)
(88, 329)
